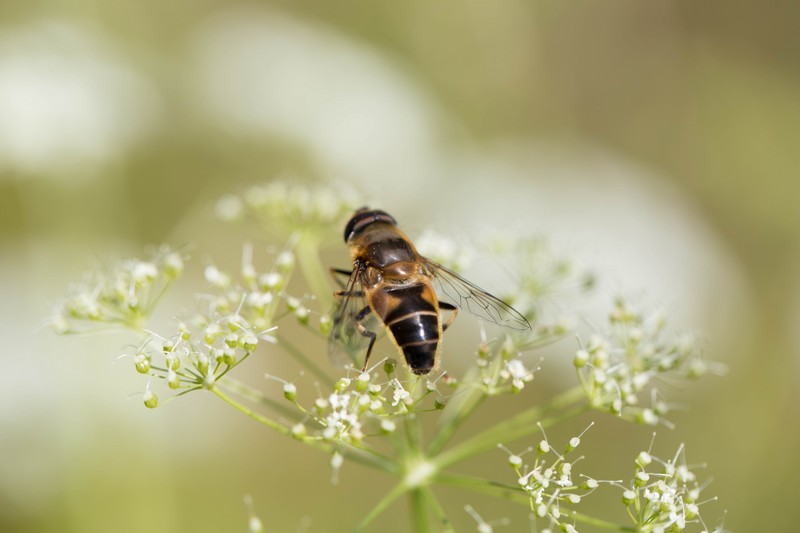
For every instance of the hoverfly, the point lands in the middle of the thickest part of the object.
(391, 281)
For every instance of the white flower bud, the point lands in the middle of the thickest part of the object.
(216, 277)
(285, 261)
(150, 399)
(173, 380)
(325, 324)
(271, 281)
(173, 264)
(290, 391)
(299, 431)
(580, 359)
(142, 363)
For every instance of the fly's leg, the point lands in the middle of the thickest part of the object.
(364, 313)
(355, 294)
(338, 273)
(448, 307)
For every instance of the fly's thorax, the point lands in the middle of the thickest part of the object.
(372, 277)
(381, 245)
(401, 270)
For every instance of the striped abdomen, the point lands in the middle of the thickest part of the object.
(412, 315)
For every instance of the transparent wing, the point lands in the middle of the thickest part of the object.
(468, 296)
(345, 343)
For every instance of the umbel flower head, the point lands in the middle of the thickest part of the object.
(550, 483)
(385, 417)
(664, 495)
(123, 295)
(614, 369)
(291, 206)
(240, 314)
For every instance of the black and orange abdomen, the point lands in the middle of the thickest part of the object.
(412, 315)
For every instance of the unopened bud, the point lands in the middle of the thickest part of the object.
(150, 399)
(142, 363)
(290, 391)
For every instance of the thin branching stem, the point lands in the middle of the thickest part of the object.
(361, 455)
(304, 360)
(457, 411)
(515, 494)
(514, 428)
(443, 521)
(419, 511)
(236, 386)
(605, 524)
(307, 250)
(280, 428)
(500, 490)
(382, 505)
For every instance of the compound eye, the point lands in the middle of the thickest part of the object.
(363, 218)
(351, 224)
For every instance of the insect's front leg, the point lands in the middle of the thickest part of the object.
(355, 294)
(337, 274)
(359, 318)
(448, 307)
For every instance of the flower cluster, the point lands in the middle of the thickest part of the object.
(362, 406)
(188, 364)
(503, 369)
(381, 417)
(542, 274)
(444, 250)
(663, 495)
(615, 369)
(483, 525)
(291, 205)
(123, 295)
(240, 314)
(549, 482)
(256, 297)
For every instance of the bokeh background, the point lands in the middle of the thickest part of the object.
(656, 143)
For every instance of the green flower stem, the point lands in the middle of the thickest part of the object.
(413, 433)
(235, 386)
(152, 303)
(515, 494)
(367, 456)
(484, 486)
(382, 505)
(228, 368)
(307, 250)
(605, 524)
(441, 516)
(304, 360)
(361, 455)
(419, 511)
(456, 412)
(280, 428)
(515, 427)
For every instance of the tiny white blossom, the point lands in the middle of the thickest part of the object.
(216, 277)
(400, 395)
(229, 208)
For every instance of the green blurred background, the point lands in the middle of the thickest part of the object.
(655, 142)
